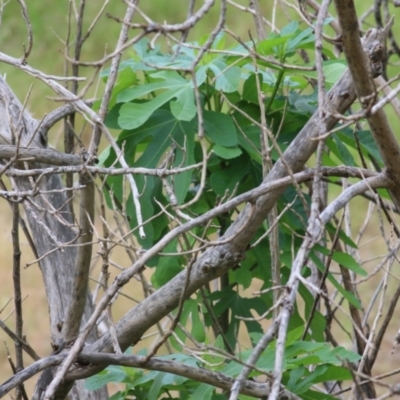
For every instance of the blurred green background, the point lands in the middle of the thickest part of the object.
(49, 23)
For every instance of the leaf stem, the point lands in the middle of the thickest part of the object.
(277, 84)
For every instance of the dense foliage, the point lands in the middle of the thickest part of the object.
(154, 107)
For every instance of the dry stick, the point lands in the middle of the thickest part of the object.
(3, 3)
(145, 285)
(395, 49)
(76, 163)
(216, 379)
(318, 186)
(380, 80)
(314, 231)
(69, 121)
(316, 6)
(25, 15)
(28, 372)
(23, 225)
(390, 97)
(200, 134)
(323, 279)
(394, 372)
(378, 198)
(251, 11)
(95, 20)
(275, 254)
(386, 89)
(76, 307)
(100, 63)
(105, 252)
(77, 55)
(257, 56)
(23, 343)
(255, 355)
(318, 58)
(16, 136)
(152, 26)
(176, 318)
(45, 156)
(20, 392)
(292, 283)
(273, 226)
(86, 111)
(314, 213)
(56, 115)
(356, 319)
(112, 77)
(67, 42)
(27, 194)
(17, 292)
(381, 333)
(276, 222)
(338, 306)
(190, 13)
(369, 344)
(378, 288)
(354, 311)
(100, 128)
(258, 19)
(362, 75)
(366, 92)
(215, 323)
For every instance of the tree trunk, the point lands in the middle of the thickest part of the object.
(52, 228)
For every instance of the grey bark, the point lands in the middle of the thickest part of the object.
(51, 226)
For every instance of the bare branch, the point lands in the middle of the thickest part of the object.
(76, 307)
(45, 156)
(112, 77)
(28, 372)
(362, 75)
(50, 119)
(26, 347)
(27, 50)
(217, 379)
(314, 232)
(184, 26)
(17, 295)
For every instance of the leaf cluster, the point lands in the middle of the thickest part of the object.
(158, 119)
